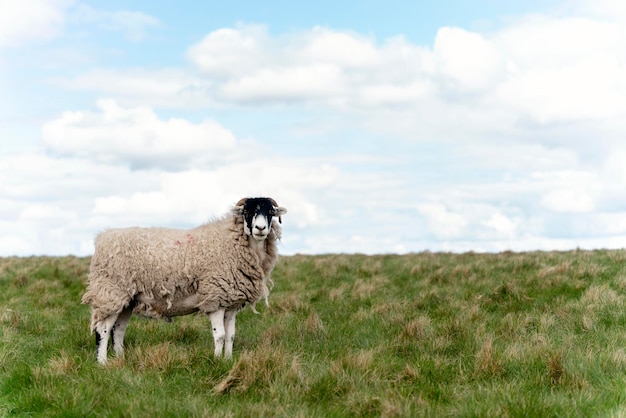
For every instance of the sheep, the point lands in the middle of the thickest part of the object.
(213, 269)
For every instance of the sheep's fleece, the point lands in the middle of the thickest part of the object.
(170, 272)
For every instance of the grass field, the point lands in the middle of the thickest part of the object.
(511, 334)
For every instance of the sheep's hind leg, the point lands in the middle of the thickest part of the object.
(103, 330)
(119, 329)
(229, 325)
(217, 324)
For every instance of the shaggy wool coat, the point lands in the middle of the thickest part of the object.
(170, 272)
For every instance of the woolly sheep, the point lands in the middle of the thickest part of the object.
(214, 269)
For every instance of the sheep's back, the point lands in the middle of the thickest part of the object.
(139, 252)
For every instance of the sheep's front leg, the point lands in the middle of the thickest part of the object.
(217, 323)
(229, 324)
(103, 330)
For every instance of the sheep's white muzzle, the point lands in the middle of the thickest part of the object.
(259, 236)
(260, 227)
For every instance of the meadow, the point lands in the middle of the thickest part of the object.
(430, 334)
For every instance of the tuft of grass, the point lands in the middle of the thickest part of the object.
(556, 369)
(428, 334)
(263, 369)
(488, 363)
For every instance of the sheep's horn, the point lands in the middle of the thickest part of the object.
(241, 202)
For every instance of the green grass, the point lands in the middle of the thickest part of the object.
(510, 334)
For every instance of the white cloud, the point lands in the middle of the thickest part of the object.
(169, 88)
(191, 196)
(502, 224)
(389, 94)
(466, 60)
(295, 83)
(133, 24)
(347, 50)
(442, 222)
(568, 200)
(34, 176)
(569, 191)
(563, 69)
(537, 71)
(23, 21)
(56, 205)
(47, 213)
(137, 136)
(248, 65)
(33, 20)
(605, 9)
(546, 42)
(230, 52)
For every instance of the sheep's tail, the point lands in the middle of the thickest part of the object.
(253, 305)
(253, 308)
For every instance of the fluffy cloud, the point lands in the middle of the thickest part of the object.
(47, 202)
(346, 50)
(165, 88)
(605, 9)
(564, 69)
(502, 224)
(56, 205)
(295, 83)
(551, 69)
(134, 25)
(248, 65)
(537, 71)
(25, 21)
(137, 136)
(465, 60)
(568, 200)
(443, 223)
(22, 21)
(193, 196)
(229, 52)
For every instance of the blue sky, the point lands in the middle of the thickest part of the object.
(383, 127)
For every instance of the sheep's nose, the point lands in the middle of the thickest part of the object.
(260, 228)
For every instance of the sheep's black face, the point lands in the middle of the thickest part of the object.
(258, 213)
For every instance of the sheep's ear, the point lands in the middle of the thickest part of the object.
(279, 211)
(238, 209)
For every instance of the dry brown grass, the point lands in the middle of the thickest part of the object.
(365, 288)
(549, 271)
(158, 357)
(420, 328)
(360, 361)
(556, 370)
(338, 293)
(314, 325)
(63, 364)
(487, 361)
(600, 295)
(262, 368)
(291, 303)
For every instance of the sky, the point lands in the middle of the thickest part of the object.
(383, 127)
